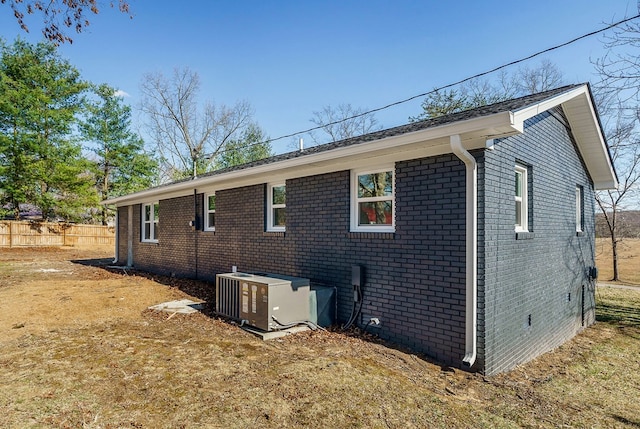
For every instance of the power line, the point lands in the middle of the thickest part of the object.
(424, 94)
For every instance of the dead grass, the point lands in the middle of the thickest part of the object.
(88, 355)
(629, 260)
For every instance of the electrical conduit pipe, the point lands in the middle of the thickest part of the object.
(117, 239)
(471, 322)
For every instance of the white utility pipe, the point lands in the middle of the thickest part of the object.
(471, 249)
(117, 240)
(130, 236)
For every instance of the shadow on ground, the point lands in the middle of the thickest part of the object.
(98, 262)
(618, 313)
(202, 290)
(633, 423)
(206, 291)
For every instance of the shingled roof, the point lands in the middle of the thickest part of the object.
(498, 119)
(503, 106)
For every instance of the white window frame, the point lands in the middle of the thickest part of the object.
(208, 227)
(579, 209)
(355, 200)
(523, 200)
(270, 207)
(153, 221)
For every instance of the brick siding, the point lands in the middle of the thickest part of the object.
(533, 277)
(415, 277)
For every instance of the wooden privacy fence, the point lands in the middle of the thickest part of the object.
(28, 233)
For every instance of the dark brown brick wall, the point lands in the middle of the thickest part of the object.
(415, 277)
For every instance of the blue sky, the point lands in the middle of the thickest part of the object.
(289, 58)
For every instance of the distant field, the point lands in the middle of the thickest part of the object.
(628, 224)
(628, 260)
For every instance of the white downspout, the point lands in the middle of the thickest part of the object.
(115, 260)
(130, 236)
(471, 249)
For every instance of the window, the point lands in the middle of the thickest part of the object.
(276, 207)
(210, 212)
(579, 209)
(521, 197)
(150, 222)
(373, 200)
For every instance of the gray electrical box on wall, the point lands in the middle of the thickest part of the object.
(265, 300)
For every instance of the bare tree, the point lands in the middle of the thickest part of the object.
(625, 152)
(619, 68)
(342, 122)
(538, 79)
(618, 94)
(188, 137)
(58, 14)
(481, 92)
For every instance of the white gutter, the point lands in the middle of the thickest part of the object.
(471, 323)
(408, 146)
(391, 144)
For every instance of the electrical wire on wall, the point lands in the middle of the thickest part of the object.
(357, 306)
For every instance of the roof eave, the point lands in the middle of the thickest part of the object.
(585, 125)
(577, 104)
(474, 131)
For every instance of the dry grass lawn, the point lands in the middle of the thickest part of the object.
(628, 260)
(78, 349)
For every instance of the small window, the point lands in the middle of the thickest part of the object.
(150, 222)
(373, 200)
(579, 209)
(276, 207)
(210, 212)
(521, 197)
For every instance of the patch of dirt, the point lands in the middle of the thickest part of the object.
(79, 348)
(45, 289)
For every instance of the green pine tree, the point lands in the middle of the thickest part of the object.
(122, 166)
(40, 163)
(251, 146)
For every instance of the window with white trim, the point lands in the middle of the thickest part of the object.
(210, 212)
(579, 209)
(521, 197)
(276, 207)
(373, 200)
(150, 222)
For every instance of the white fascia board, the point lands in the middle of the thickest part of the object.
(419, 143)
(153, 194)
(604, 186)
(590, 139)
(519, 116)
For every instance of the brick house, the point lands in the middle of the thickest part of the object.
(475, 230)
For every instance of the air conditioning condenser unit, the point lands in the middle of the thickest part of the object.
(268, 302)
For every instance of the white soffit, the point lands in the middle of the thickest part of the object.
(586, 130)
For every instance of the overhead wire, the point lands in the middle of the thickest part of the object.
(435, 90)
